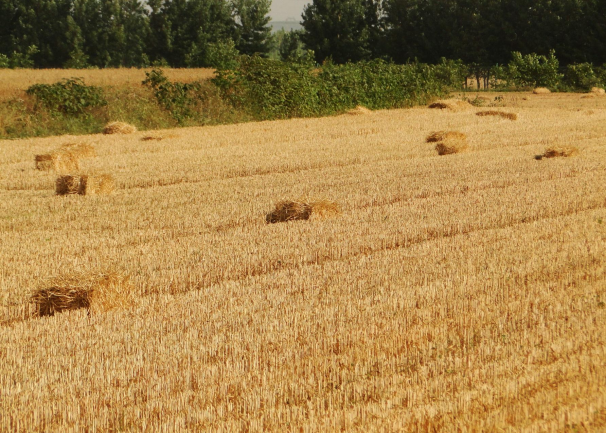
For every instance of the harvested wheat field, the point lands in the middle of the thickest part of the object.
(464, 292)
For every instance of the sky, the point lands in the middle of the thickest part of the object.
(282, 10)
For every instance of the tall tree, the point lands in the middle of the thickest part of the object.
(183, 29)
(344, 30)
(253, 32)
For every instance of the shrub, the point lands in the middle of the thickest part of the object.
(270, 89)
(184, 101)
(69, 97)
(581, 76)
(533, 70)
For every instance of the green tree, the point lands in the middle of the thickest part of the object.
(344, 30)
(253, 32)
(182, 29)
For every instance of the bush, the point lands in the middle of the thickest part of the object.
(533, 70)
(271, 89)
(69, 97)
(581, 76)
(184, 101)
(452, 73)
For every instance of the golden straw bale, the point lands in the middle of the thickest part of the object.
(435, 137)
(70, 184)
(103, 184)
(119, 128)
(61, 161)
(85, 185)
(541, 91)
(287, 210)
(44, 162)
(451, 105)
(81, 150)
(598, 90)
(95, 292)
(561, 151)
(359, 110)
(452, 146)
(504, 115)
(324, 209)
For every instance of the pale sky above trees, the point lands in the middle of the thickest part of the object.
(282, 10)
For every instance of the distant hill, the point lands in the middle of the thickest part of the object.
(286, 25)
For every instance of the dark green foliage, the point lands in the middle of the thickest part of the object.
(70, 97)
(182, 30)
(533, 70)
(289, 45)
(346, 30)
(269, 89)
(581, 77)
(184, 101)
(253, 33)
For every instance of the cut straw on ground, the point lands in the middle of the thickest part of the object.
(502, 114)
(119, 128)
(96, 292)
(451, 105)
(438, 136)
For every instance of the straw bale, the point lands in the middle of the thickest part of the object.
(119, 128)
(451, 105)
(450, 147)
(598, 90)
(561, 151)
(324, 209)
(44, 162)
(359, 110)
(60, 160)
(103, 184)
(80, 150)
(504, 115)
(287, 210)
(85, 184)
(95, 292)
(541, 91)
(435, 137)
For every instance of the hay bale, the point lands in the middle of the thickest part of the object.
(288, 211)
(450, 147)
(504, 115)
(95, 292)
(438, 136)
(561, 151)
(61, 161)
(324, 209)
(119, 128)
(541, 91)
(44, 162)
(84, 185)
(451, 105)
(81, 150)
(598, 91)
(359, 110)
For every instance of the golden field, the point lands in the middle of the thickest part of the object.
(15, 81)
(463, 292)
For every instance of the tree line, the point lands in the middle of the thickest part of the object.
(187, 33)
(112, 33)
